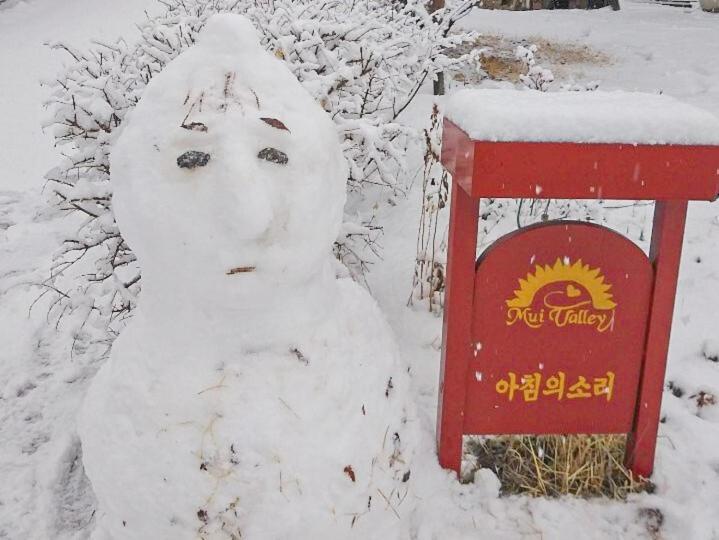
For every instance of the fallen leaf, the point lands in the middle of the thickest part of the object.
(275, 123)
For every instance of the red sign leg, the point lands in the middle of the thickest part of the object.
(665, 253)
(457, 327)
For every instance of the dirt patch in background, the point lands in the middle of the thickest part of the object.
(568, 53)
(565, 59)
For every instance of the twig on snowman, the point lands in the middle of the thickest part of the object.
(240, 270)
(389, 504)
(357, 515)
(196, 102)
(166, 429)
(302, 358)
(209, 429)
(289, 408)
(217, 386)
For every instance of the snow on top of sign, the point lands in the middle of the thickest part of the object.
(589, 117)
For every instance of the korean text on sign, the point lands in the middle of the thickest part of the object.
(532, 387)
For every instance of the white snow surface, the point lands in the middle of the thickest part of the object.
(580, 117)
(44, 493)
(257, 403)
(26, 30)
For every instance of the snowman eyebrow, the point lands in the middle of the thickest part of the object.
(275, 123)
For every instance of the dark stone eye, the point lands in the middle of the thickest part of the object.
(194, 126)
(192, 159)
(273, 155)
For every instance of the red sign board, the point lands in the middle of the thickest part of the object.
(558, 327)
(562, 327)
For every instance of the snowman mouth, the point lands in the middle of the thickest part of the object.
(240, 270)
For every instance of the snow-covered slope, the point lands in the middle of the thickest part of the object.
(43, 491)
(26, 27)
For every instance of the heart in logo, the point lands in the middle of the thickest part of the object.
(572, 291)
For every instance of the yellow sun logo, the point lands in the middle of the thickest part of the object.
(590, 279)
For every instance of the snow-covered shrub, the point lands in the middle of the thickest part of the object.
(497, 216)
(537, 77)
(363, 61)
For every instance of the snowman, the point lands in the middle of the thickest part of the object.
(253, 395)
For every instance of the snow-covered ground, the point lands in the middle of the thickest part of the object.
(43, 493)
(25, 29)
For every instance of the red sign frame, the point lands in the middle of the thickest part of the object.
(671, 175)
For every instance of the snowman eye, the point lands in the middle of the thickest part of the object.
(194, 126)
(273, 156)
(192, 159)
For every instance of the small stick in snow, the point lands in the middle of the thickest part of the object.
(390, 386)
(257, 100)
(403, 497)
(301, 357)
(289, 408)
(384, 439)
(217, 386)
(389, 503)
(240, 270)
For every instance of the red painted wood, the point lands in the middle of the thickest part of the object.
(581, 171)
(665, 255)
(458, 155)
(456, 328)
(566, 327)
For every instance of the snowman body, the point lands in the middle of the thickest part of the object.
(253, 394)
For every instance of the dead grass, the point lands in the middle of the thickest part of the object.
(556, 465)
(502, 69)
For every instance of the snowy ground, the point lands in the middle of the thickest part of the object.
(42, 490)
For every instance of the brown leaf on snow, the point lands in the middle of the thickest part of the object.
(704, 398)
(274, 123)
(350, 472)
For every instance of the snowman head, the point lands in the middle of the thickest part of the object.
(228, 173)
